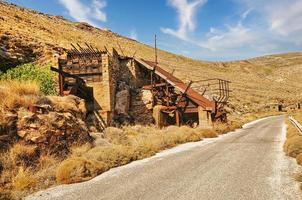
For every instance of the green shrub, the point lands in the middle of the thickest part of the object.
(39, 73)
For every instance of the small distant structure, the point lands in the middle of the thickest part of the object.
(121, 88)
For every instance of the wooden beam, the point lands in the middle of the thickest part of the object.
(191, 110)
(177, 118)
(149, 87)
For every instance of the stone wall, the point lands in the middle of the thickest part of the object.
(121, 78)
(132, 73)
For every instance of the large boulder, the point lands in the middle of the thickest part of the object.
(147, 98)
(53, 124)
(54, 131)
(122, 102)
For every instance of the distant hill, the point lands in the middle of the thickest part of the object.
(27, 36)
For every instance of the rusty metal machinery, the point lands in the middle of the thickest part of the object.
(183, 100)
(217, 90)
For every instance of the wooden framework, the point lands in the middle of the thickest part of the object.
(80, 66)
(180, 100)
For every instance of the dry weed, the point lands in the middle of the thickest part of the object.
(293, 146)
(24, 180)
(299, 159)
(14, 94)
(24, 155)
(77, 169)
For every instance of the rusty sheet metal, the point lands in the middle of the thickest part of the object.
(177, 83)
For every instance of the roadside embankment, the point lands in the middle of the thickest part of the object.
(293, 143)
(55, 146)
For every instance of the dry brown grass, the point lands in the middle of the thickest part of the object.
(275, 73)
(293, 146)
(299, 159)
(128, 144)
(24, 180)
(84, 162)
(78, 169)
(24, 155)
(14, 94)
(24, 168)
(293, 143)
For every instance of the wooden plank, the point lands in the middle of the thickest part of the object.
(191, 110)
(177, 118)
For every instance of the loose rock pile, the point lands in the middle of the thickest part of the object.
(54, 125)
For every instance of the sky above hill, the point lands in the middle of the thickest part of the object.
(201, 29)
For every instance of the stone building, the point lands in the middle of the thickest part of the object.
(122, 89)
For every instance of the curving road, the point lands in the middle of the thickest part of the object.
(246, 164)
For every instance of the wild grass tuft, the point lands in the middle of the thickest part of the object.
(14, 94)
(24, 180)
(41, 75)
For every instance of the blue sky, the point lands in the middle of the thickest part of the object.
(201, 29)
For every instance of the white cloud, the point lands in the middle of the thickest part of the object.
(90, 13)
(263, 27)
(286, 19)
(186, 17)
(133, 34)
(232, 38)
(283, 18)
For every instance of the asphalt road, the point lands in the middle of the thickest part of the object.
(246, 164)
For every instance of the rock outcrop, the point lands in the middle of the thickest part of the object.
(55, 125)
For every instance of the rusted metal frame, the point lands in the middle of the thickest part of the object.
(107, 51)
(91, 49)
(168, 94)
(212, 79)
(148, 87)
(77, 52)
(196, 97)
(185, 91)
(183, 109)
(188, 87)
(224, 92)
(85, 51)
(152, 89)
(155, 49)
(183, 95)
(221, 91)
(228, 91)
(165, 87)
(89, 52)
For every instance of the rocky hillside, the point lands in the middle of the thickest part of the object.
(27, 36)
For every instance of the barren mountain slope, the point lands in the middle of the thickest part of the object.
(27, 35)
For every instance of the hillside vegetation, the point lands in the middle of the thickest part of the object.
(59, 144)
(27, 36)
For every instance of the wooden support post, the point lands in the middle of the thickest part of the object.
(61, 81)
(168, 94)
(205, 120)
(177, 118)
(158, 116)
